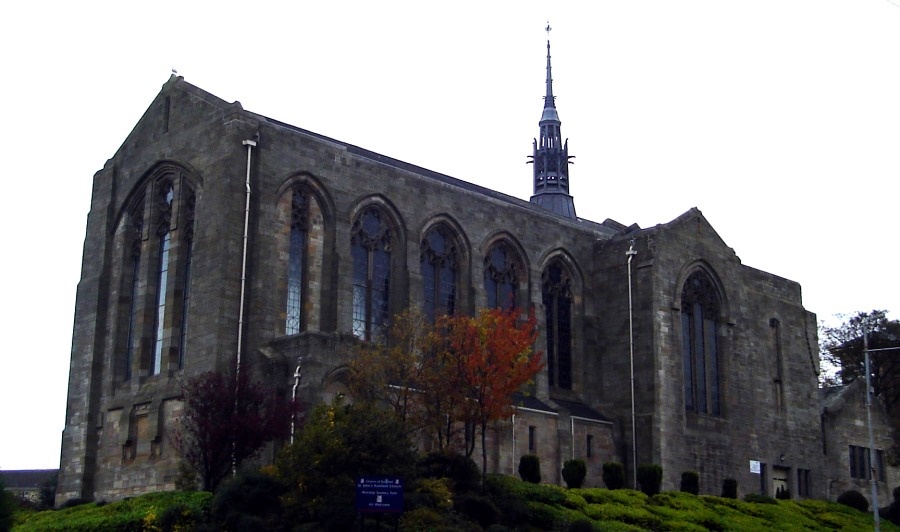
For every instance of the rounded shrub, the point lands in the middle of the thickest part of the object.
(892, 512)
(759, 498)
(70, 503)
(649, 477)
(581, 525)
(421, 519)
(461, 470)
(690, 482)
(252, 495)
(729, 488)
(854, 499)
(179, 516)
(573, 473)
(614, 475)
(530, 468)
(478, 509)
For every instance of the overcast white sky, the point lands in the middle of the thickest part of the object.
(779, 120)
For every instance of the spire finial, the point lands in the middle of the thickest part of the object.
(549, 101)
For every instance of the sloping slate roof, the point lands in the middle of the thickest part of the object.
(605, 229)
(531, 402)
(834, 398)
(26, 478)
(582, 410)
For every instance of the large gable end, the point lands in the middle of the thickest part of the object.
(694, 221)
(176, 108)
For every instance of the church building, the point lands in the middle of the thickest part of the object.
(218, 235)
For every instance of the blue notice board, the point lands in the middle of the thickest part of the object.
(379, 494)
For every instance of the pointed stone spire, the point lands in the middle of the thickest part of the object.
(551, 157)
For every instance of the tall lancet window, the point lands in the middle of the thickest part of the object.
(556, 292)
(500, 277)
(134, 270)
(296, 262)
(166, 195)
(371, 253)
(190, 205)
(700, 346)
(439, 264)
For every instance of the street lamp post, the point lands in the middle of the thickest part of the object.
(630, 254)
(872, 454)
(298, 374)
(870, 392)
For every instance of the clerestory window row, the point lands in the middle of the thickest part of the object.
(374, 274)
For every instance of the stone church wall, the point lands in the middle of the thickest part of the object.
(115, 441)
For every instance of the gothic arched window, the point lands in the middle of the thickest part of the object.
(190, 205)
(296, 262)
(163, 226)
(439, 269)
(700, 344)
(158, 234)
(136, 230)
(500, 277)
(371, 254)
(556, 293)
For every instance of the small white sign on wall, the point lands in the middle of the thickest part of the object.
(754, 467)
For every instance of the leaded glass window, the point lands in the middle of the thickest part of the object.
(296, 263)
(136, 229)
(167, 195)
(556, 292)
(371, 255)
(439, 264)
(700, 350)
(500, 277)
(186, 281)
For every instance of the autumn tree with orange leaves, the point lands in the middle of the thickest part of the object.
(496, 354)
(439, 378)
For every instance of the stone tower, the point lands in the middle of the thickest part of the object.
(551, 158)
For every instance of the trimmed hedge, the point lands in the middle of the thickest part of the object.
(854, 499)
(137, 513)
(614, 475)
(573, 473)
(530, 468)
(649, 478)
(690, 482)
(729, 488)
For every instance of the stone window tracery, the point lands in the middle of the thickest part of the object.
(156, 275)
(556, 292)
(296, 262)
(371, 255)
(163, 226)
(136, 230)
(700, 311)
(501, 277)
(439, 273)
(190, 209)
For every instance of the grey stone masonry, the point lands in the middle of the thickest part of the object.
(161, 286)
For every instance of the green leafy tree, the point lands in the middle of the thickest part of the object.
(6, 508)
(338, 444)
(411, 375)
(48, 492)
(226, 420)
(843, 347)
